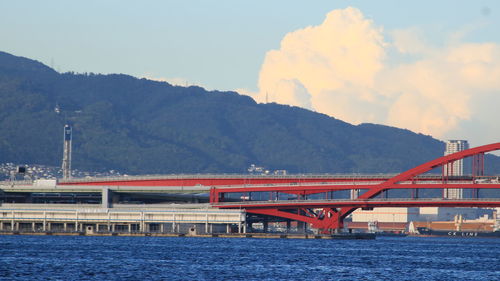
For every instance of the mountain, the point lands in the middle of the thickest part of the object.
(140, 126)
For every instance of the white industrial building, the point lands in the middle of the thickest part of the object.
(389, 214)
(397, 215)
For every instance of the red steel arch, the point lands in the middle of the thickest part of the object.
(442, 161)
(333, 214)
(337, 218)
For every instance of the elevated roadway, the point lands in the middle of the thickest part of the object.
(334, 210)
(360, 203)
(229, 179)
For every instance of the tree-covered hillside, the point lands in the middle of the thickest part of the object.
(140, 126)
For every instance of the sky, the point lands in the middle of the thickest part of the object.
(432, 67)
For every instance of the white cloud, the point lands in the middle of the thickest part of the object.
(345, 68)
(409, 41)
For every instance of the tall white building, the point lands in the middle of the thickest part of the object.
(456, 168)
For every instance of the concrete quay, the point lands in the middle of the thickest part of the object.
(162, 220)
(74, 219)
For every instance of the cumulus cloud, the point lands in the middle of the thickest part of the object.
(340, 56)
(346, 67)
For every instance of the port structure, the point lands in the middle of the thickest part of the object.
(315, 199)
(323, 201)
(328, 214)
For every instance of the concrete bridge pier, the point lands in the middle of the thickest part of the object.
(242, 227)
(265, 225)
(301, 227)
(105, 195)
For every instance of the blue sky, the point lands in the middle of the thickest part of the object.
(223, 44)
(219, 44)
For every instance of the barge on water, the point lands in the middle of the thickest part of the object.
(424, 231)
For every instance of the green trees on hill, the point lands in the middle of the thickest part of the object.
(139, 126)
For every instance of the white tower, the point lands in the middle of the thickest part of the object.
(456, 168)
(66, 164)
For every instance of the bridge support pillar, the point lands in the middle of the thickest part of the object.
(301, 226)
(332, 222)
(105, 197)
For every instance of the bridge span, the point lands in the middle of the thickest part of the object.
(324, 201)
(361, 203)
(328, 213)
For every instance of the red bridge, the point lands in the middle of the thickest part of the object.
(326, 200)
(316, 203)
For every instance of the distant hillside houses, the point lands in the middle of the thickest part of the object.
(8, 171)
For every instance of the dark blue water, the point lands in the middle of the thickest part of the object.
(158, 258)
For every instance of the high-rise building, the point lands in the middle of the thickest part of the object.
(456, 168)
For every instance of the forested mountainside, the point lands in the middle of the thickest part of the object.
(139, 126)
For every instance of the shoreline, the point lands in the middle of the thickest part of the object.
(340, 236)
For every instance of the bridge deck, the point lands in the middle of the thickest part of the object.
(361, 203)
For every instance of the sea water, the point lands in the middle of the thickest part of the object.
(162, 258)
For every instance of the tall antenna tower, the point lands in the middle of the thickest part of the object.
(66, 163)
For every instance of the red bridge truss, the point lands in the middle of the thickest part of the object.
(328, 213)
